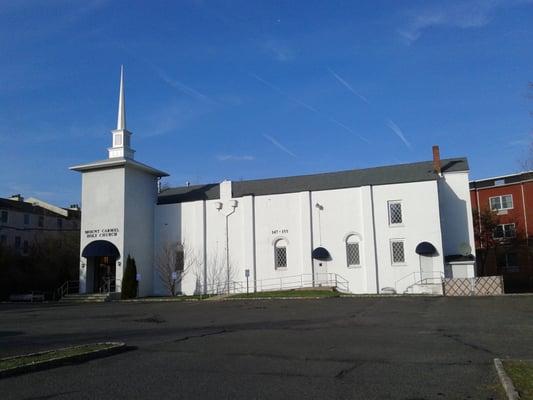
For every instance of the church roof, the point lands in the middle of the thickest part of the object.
(401, 173)
(117, 162)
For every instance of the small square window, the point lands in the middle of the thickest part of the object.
(397, 252)
(395, 213)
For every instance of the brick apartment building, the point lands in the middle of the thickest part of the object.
(509, 199)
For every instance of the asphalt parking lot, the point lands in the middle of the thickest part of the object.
(350, 348)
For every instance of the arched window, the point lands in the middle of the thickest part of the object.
(280, 254)
(353, 257)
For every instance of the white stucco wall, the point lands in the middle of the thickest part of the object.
(139, 208)
(456, 212)
(102, 199)
(421, 222)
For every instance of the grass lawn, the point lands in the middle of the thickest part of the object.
(521, 373)
(286, 293)
(19, 361)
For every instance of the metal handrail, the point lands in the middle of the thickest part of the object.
(66, 288)
(414, 281)
(282, 283)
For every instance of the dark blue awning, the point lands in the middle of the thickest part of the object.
(425, 249)
(100, 248)
(321, 254)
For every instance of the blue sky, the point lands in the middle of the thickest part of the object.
(251, 89)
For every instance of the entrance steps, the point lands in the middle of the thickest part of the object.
(424, 288)
(85, 298)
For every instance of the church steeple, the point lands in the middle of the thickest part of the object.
(121, 119)
(121, 136)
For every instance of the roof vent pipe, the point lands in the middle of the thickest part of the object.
(436, 160)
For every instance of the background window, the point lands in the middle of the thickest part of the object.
(26, 219)
(397, 251)
(501, 202)
(3, 239)
(280, 254)
(41, 221)
(352, 251)
(59, 223)
(3, 217)
(504, 231)
(395, 212)
(17, 242)
(25, 247)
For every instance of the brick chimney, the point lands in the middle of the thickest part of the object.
(436, 160)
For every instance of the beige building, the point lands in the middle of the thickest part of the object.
(25, 221)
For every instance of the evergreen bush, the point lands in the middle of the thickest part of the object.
(129, 279)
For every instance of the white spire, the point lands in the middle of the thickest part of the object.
(121, 136)
(121, 119)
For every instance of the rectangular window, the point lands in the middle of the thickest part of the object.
(3, 240)
(25, 247)
(352, 254)
(280, 255)
(504, 231)
(3, 217)
(397, 252)
(499, 203)
(26, 219)
(395, 213)
(59, 223)
(17, 242)
(41, 221)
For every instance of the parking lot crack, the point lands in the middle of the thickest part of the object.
(201, 335)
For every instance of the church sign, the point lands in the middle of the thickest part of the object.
(101, 233)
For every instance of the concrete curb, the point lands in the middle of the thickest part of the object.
(506, 382)
(118, 347)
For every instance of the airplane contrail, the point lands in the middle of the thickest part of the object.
(278, 145)
(347, 85)
(396, 129)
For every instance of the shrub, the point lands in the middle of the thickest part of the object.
(129, 279)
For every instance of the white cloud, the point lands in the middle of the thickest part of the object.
(231, 157)
(279, 50)
(456, 14)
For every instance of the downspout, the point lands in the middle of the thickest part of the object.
(227, 248)
(525, 214)
(374, 236)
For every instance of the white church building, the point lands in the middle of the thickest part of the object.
(398, 228)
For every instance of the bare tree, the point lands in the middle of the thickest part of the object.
(219, 275)
(174, 261)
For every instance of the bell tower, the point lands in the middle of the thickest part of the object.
(121, 136)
